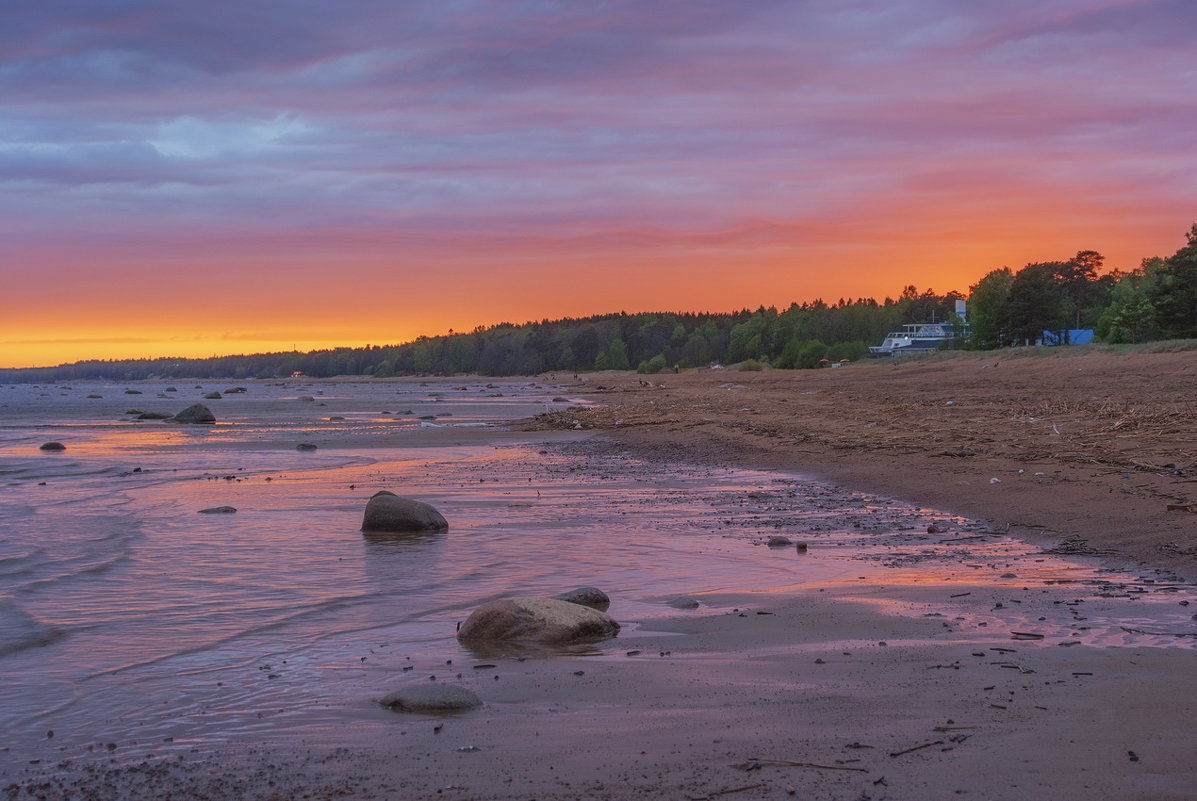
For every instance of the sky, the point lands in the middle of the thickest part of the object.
(192, 179)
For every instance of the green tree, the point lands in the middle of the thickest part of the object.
(989, 309)
(1131, 316)
(1035, 303)
(1174, 293)
(654, 365)
(810, 354)
(617, 355)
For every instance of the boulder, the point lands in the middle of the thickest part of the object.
(195, 413)
(587, 596)
(153, 416)
(305, 446)
(212, 396)
(685, 603)
(541, 620)
(52, 446)
(132, 391)
(431, 698)
(386, 511)
(218, 510)
(779, 542)
(94, 395)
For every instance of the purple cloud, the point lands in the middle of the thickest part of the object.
(405, 133)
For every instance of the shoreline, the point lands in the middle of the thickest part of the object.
(1083, 451)
(847, 691)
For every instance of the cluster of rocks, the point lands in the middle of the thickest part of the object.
(575, 616)
(571, 617)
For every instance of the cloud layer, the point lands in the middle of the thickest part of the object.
(288, 159)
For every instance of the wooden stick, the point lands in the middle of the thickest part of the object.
(791, 764)
(916, 748)
(724, 792)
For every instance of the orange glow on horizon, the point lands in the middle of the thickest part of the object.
(364, 299)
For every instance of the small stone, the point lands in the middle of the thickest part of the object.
(587, 596)
(305, 446)
(431, 698)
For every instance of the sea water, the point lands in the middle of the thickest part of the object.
(130, 617)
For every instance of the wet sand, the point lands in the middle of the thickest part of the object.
(992, 681)
(1090, 451)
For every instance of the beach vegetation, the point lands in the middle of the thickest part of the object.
(654, 365)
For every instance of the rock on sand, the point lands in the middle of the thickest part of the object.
(195, 413)
(542, 620)
(386, 511)
(218, 510)
(587, 596)
(52, 446)
(431, 698)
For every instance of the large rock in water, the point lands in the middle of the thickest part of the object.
(195, 413)
(386, 511)
(541, 620)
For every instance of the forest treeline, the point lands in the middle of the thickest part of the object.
(1157, 300)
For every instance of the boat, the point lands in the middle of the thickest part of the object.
(924, 337)
(919, 338)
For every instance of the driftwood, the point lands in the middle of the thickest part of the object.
(718, 793)
(916, 748)
(787, 763)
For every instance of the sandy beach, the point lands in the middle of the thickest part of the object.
(1089, 451)
(947, 660)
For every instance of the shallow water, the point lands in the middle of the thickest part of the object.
(128, 617)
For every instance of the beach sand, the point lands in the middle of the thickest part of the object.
(857, 690)
(1083, 449)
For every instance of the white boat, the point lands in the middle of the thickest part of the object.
(920, 338)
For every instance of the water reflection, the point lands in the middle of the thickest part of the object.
(505, 649)
(382, 543)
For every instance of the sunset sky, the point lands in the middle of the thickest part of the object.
(177, 179)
